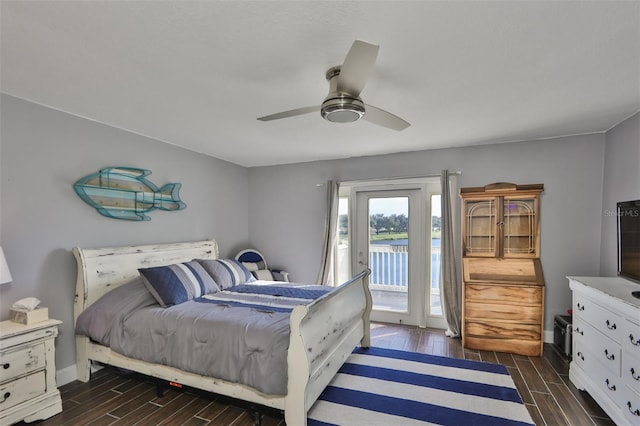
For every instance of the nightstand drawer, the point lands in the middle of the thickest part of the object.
(22, 361)
(22, 389)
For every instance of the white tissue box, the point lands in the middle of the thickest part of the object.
(22, 316)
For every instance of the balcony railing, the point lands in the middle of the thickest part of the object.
(389, 274)
(389, 267)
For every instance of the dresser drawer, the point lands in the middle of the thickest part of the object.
(22, 389)
(609, 384)
(485, 310)
(631, 371)
(594, 344)
(502, 330)
(631, 338)
(21, 361)
(504, 294)
(605, 321)
(631, 406)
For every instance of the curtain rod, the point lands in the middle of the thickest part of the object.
(457, 173)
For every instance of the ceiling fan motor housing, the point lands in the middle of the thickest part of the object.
(341, 107)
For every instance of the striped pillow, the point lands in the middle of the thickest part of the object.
(227, 272)
(178, 283)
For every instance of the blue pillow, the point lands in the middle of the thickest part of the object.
(227, 272)
(178, 283)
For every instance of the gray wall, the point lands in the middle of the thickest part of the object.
(43, 152)
(621, 183)
(288, 208)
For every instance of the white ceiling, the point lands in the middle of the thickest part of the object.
(197, 74)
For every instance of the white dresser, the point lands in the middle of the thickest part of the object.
(606, 345)
(28, 388)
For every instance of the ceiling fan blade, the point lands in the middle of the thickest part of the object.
(290, 113)
(357, 67)
(383, 118)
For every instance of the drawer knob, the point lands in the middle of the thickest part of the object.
(580, 355)
(611, 326)
(634, 375)
(580, 307)
(635, 342)
(635, 412)
(6, 366)
(580, 332)
(611, 387)
(8, 394)
(609, 357)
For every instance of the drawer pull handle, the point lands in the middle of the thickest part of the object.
(634, 342)
(580, 332)
(634, 375)
(635, 412)
(611, 326)
(611, 387)
(580, 355)
(6, 366)
(8, 394)
(580, 307)
(609, 357)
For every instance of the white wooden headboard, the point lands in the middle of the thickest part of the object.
(100, 270)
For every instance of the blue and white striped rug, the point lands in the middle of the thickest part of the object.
(387, 387)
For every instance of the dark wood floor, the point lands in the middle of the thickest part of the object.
(115, 398)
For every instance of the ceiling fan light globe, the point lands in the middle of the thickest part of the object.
(343, 116)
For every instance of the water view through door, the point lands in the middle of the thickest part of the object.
(389, 253)
(389, 230)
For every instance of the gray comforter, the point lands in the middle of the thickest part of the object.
(237, 344)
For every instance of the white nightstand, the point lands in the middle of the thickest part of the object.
(28, 388)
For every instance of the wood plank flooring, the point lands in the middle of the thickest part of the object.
(113, 397)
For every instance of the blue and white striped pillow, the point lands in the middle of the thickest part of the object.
(178, 283)
(227, 272)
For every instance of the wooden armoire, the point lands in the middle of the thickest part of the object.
(503, 283)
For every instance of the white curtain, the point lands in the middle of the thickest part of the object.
(330, 228)
(449, 287)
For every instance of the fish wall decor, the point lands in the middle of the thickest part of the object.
(125, 193)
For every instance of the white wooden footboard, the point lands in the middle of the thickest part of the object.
(323, 335)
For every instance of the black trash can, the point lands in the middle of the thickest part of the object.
(562, 333)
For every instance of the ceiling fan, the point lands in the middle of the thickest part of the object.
(343, 103)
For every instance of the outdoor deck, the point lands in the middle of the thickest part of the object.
(397, 301)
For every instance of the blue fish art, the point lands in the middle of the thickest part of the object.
(125, 193)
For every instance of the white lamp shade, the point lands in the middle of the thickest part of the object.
(5, 274)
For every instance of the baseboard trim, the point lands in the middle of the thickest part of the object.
(66, 375)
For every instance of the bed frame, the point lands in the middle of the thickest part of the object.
(323, 333)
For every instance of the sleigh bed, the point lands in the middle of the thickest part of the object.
(321, 333)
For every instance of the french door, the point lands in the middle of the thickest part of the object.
(392, 237)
